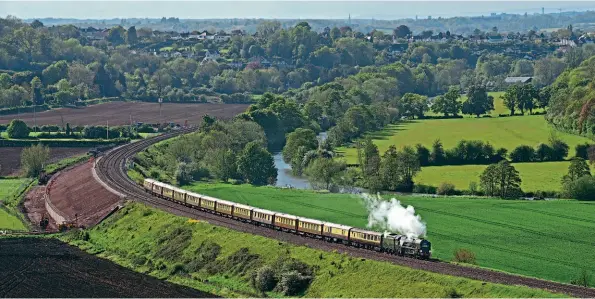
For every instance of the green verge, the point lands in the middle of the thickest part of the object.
(159, 244)
(547, 239)
(11, 191)
(506, 132)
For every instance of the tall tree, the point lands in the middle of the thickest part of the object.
(34, 158)
(256, 165)
(299, 138)
(402, 31)
(325, 172)
(577, 169)
(501, 180)
(448, 104)
(131, 37)
(438, 155)
(478, 101)
(510, 98)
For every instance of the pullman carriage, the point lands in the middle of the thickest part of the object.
(224, 207)
(148, 184)
(367, 238)
(207, 202)
(192, 199)
(336, 232)
(262, 216)
(179, 195)
(167, 191)
(242, 211)
(158, 188)
(286, 221)
(310, 226)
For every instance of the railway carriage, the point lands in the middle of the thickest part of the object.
(148, 184)
(193, 199)
(242, 211)
(336, 232)
(286, 221)
(262, 216)
(364, 238)
(224, 207)
(168, 191)
(310, 226)
(208, 203)
(179, 195)
(161, 189)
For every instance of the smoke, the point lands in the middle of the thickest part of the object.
(393, 217)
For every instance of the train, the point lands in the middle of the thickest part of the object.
(395, 244)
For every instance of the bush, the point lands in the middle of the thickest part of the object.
(424, 189)
(446, 189)
(293, 283)
(265, 280)
(145, 129)
(463, 255)
(582, 151)
(522, 153)
(17, 129)
(473, 188)
(34, 158)
(543, 152)
(581, 189)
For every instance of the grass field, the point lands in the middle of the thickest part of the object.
(173, 248)
(544, 176)
(8, 189)
(547, 239)
(507, 132)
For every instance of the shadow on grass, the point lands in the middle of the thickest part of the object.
(389, 131)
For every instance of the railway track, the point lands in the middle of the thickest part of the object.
(111, 171)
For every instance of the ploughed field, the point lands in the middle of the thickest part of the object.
(39, 267)
(10, 157)
(546, 239)
(121, 113)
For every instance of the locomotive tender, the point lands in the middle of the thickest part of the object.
(390, 243)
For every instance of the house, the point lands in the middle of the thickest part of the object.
(514, 80)
(93, 33)
(221, 37)
(211, 55)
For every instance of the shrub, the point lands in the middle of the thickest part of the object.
(559, 150)
(581, 189)
(522, 153)
(34, 158)
(463, 255)
(446, 189)
(293, 283)
(424, 189)
(543, 152)
(473, 188)
(17, 129)
(265, 280)
(582, 151)
(583, 279)
(184, 173)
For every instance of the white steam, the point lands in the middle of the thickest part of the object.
(393, 217)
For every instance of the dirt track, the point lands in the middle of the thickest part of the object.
(120, 113)
(76, 193)
(10, 157)
(39, 267)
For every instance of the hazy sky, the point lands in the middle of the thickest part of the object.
(284, 9)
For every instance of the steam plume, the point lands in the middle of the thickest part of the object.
(393, 217)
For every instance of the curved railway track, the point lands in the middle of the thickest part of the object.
(111, 171)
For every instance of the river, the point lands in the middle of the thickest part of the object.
(284, 176)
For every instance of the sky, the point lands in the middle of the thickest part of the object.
(280, 9)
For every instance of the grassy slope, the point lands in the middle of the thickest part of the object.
(8, 188)
(550, 240)
(545, 176)
(131, 239)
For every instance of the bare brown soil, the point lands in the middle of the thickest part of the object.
(78, 196)
(34, 208)
(121, 113)
(48, 268)
(10, 157)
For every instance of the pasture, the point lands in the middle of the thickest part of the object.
(546, 239)
(507, 132)
(545, 176)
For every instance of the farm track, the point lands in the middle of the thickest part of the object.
(110, 169)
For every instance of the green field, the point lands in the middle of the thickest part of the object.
(547, 239)
(173, 248)
(8, 189)
(545, 176)
(507, 132)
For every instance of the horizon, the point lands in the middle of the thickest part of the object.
(200, 10)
